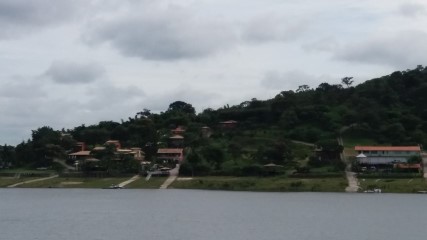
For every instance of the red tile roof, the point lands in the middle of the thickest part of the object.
(387, 148)
(170, 150)
(177, 137)
(229, 122)
(81, 153)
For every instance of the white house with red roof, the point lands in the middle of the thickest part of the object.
(170, 154)
(386, 154)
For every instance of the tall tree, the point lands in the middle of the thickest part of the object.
(347, 81)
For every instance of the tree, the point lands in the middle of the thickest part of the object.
(180, 106)
(303, 88)
(196, 164)
(7, 156)
(414, 159)
(213, 155)
(145, 113)
(347, 81)
(46, 146)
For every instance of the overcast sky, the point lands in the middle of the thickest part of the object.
(67, 63)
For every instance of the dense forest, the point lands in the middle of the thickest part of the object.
(390, 109)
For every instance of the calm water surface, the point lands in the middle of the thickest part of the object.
(64, 214)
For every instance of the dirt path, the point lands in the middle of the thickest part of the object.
(173, 174)
(353, 184)
(31, 181)
(62, 162)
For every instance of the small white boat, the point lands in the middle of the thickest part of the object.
(375, 190)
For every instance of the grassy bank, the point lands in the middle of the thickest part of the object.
(74, 183)
(273, 184)
(153, 183)
(395, 185)
(62, 182)
(7, 181)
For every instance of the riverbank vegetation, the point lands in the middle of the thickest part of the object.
(272, 184)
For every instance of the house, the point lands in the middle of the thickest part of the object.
(385, 154)
(230, 124)
(178, 131)
(176, 141)
(120, 153)
(138, 154)
(206, 132)
(116, 143)
(170, 154)
(79, 146)
(80, 155)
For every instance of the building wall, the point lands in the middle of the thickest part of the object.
(389, 153)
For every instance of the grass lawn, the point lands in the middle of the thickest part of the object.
(274, 184)
(350, 141)
(23, 170)
(395, 185)
(154, 182)
(353, 138)
(75, 183)
(6, 181)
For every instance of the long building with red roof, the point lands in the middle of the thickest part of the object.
(386, 154)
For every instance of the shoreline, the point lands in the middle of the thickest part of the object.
(228, 183)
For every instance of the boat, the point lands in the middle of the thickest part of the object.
(114, 187)
(375, 190)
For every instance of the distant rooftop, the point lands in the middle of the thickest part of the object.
(387, 148)
(170, 150)
(176, 136)
(80, 153)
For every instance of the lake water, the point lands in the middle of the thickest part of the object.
(92, 214)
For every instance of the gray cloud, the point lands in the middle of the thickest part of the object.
(327, 44)
(402, 50)
(272, 27)
(20, 87)
(163, 34)
(107, 96)
(17, 17)
(291, 80)
(412, 10)
(198, 98)
(74, 73)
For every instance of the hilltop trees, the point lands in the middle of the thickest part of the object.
(347, 81)
(7, 156)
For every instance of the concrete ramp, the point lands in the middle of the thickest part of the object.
(173, 174)
(133, 179)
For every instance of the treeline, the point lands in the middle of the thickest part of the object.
(391, 109)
